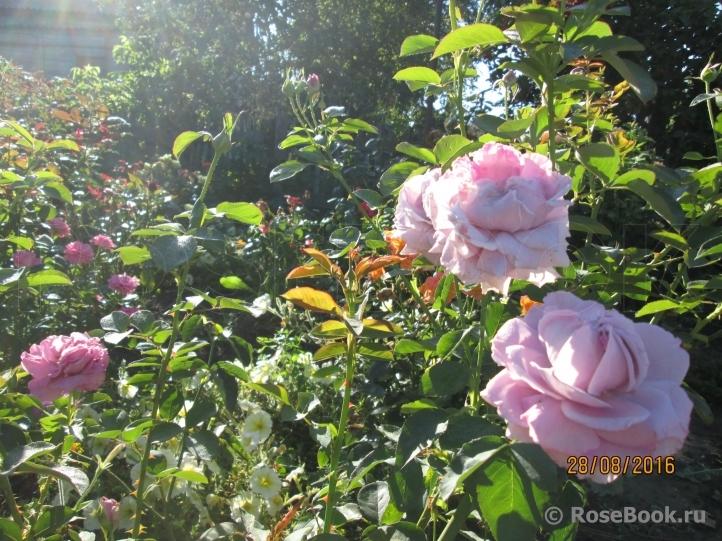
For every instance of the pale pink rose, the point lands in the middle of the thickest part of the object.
(129, 310)
(59, 227)
(101, 241)
(314, 84)
(580, 380)
(79, 253)
(411, 221)
(111, 509)
(25, 258)
(123, 283)
(496, 215)
(60, 365)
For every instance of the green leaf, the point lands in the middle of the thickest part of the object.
(515, 128)
(10, 531)
(537, 465)
(418, 405)
(673, 239)
(287, 170)
(22, 132)
(406, 346)
(132, 255)
(171, 252)
(463, 151)
(246, 213)
(65, 144)
(444, 378)
(399, 531)
(328, 351)
(48, 278)
(700, 405)
(635, 174)
(192, 476)
(222, 531)
(142, 320)
(57, 190)
(532, 25)
(373, 198)
(376, 352)
(373, 499)
(472, 456)
(233, 370)
(489, 124)
(565, 83)
(656, 307)
(234, 282)
(183, 140)
(660, 201)
(448, 145)
(473, 35)
(601, 159)
(276, 391)
(585, 224)
(634, 74)
(507, 500)
(50, 520)
(359, 125)
(395, 176)
(450, 341)
(420, 74)
(73, 476)
(203, 444)
(117, 321)
(345, 237)
(136, 429)
(163, 431)
(201, 411)
(23, 242)
(294, 140)
(23, 453)
(408, 492)
(418, 44)
(422, 154)
(419, 430)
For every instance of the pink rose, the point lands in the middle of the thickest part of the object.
(129, 310)
(314, 84)
(60, 365)
(79, 253)
(580, 380)
(123, 283)
(59, 227)
(101, 241)
(495, 215)
(111, 509)
(24, 258)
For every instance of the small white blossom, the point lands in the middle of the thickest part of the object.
(265, 482)
(86, 412)
(274, 505)
(249, 444)
(260, 305)
(247, 405)
(212, 500)
(258, 426)
(92, 514)
(125, 390)
(262, 372)
(128, 508)
(245, 501)
(294, 473)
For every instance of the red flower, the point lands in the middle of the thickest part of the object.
(79, 134)
(370, 213)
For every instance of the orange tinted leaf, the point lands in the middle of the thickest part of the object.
(376, 328)
(367, 264)
(307, 270)
(526, 304)
(312, 299)
(323, 260)
(286, 520)
(62, 115)
(330, 329)
(76, 116)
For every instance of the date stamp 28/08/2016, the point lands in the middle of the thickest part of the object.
(616, 465)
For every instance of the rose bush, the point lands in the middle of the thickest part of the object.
(79, 253)
(60, 365)
(495, 215)
(122, 283)
(580, 380)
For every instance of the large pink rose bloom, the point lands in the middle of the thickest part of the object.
(495, 215)
(59, 227)
(60, 365)
(79, 253)
(101, 241)
(580, 380)
(25, 258)
(123, 283)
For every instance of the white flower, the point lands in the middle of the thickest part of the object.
(265, 481)
(249, 444)
(98, 446)
(86, 412)
(189, 464)
(262, 372)
(247, 405)
(92, 514)
(274, 505)
(245, 501)
(125, 390)
(128, 508)
(260, 305)
(212, 500)
(296, 472)
(305, 358)
(258, 426)
(151, 489)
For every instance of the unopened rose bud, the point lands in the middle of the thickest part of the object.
(710, 73)
(314, 84)
(222, 143)
(509, 78)
(288, 89)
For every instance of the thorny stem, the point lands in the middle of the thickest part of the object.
(550, 114)
(710, 111)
